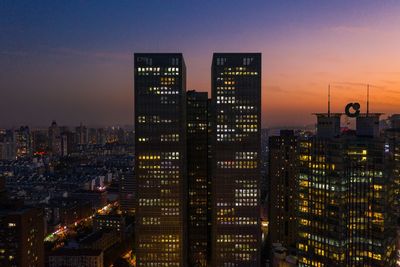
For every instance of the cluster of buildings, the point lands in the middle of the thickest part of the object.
(334, 195)
(54, 201)
(199, 183)
(59, 140)
(197, 163)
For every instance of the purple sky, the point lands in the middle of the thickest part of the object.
(72, 60)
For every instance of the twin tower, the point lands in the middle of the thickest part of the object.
(197, 164)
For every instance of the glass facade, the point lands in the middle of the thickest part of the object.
(160, 163)
(197, 152)
(235, 178)
(346, 195)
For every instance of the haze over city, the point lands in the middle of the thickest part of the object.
(73, 60)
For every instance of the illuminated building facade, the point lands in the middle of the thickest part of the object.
(160, 162)
(23, 142)
(345, 199)
(393, 147)
(127, 192)
(197, 153)
(235, 179)
(21, 236)
(283, 173)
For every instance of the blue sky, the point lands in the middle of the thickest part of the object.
(72, 60)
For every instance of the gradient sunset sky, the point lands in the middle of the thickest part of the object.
(72, 61)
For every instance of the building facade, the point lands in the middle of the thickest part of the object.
(160, 162)
(283, 173)
(346, 199)
(235, 178)
(21, 237)
(127, 192)
(197, 164)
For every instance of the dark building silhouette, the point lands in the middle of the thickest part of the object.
(81, 135)
(346, 196)
(21, 236)
(127, 192)
(160, 161)
(55, 141)
(392, 146)
(283, 179)
(236, 101)
(197, 164)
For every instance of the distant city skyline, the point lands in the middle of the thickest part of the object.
(72, 61)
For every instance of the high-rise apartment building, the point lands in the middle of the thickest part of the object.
(55, 139)
(21, 236)
(23, 142)
(160, 161)
(346, 196)
(235, 178)
(197, 164)
(283, 182)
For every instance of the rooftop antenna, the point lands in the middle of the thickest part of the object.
(329, 100)
(367, 100)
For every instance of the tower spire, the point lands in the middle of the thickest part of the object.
(367, 100)
(329, 100)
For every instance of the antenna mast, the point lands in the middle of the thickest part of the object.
(367, 100)
(329, 100)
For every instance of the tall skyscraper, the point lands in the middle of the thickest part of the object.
(346, 197)
(197, 164)
(160, 162)
(236, 101)
(283, 180)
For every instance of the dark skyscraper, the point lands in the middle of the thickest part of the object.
(346, 197)
(21, 236)
(55, 140)
(197, 154)
(127, 192)
(236, 100)
(283, 173)
(160, 162)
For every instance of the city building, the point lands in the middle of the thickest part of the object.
(81, 133)
(110, 221)
(76, 257)
(160, 162)
(127, 188)
(40, 141)
(23, 142)
(283, 181)
(7, 146)
(346, 196)
(235, 180)
(54, 139)
(21, 236)
(197, 164)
